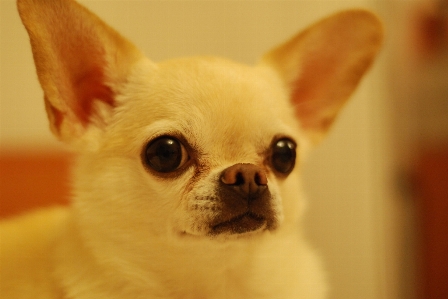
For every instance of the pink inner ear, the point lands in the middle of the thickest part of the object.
(89, 86)
(311, 92)
(80, 75)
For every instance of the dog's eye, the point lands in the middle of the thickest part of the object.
(283, 156)
(165, 154)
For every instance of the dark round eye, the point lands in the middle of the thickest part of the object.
(283, 156)
(165, 154)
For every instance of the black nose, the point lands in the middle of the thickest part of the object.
(246, 178)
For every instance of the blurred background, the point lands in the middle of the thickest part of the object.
(378, 186)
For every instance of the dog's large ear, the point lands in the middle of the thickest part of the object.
(323, 64)
(81, 63)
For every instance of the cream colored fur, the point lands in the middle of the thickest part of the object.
(134, 233)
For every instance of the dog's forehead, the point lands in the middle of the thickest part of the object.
(220, 89)
(211, 98)
(215, 85)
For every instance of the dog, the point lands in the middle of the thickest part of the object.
(187, 183)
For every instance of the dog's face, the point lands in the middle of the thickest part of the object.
(198, 148)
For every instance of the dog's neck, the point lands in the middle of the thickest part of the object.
(197, 267)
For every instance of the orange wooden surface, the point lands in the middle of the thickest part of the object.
(432, 183)
(33, 180)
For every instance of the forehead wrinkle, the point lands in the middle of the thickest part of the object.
(236, 125)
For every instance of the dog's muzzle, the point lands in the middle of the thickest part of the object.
(246, 201)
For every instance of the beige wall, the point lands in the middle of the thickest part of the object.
(347, 178)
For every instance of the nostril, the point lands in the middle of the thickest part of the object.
(239, 179)
(260, 179)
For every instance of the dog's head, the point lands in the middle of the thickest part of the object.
(218, 140)
(196, 147)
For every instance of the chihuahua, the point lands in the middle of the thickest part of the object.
(187, 182)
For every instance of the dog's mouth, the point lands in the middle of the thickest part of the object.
(247, 222)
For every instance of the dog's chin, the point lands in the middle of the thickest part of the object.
(245, 224)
